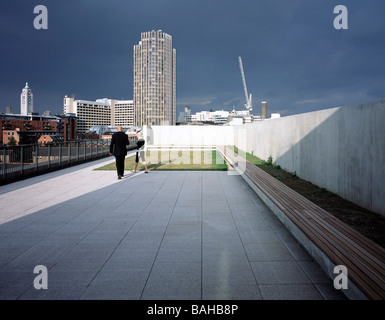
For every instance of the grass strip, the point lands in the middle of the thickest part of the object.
(176, 161)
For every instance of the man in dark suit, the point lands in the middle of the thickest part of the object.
(118, 148)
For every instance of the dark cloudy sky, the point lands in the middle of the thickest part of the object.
(293, 56)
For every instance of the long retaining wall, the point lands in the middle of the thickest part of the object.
(340, 149)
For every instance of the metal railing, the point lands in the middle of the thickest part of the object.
(19, 162)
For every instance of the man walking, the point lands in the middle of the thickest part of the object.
(118, 148)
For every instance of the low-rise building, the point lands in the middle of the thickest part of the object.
(214, 117)
(48, 139)
(11, 136)
(30, 128)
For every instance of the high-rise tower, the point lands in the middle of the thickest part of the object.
(26, 100)
(154, 80)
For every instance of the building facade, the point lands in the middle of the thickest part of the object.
(185, 116)
(26, 101)
(28, 129)
(215, 117)
(154, 80)
(102, 112)
(122, 113)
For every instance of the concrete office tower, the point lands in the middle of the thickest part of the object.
(264, 110)
(26, 101)
(154, 91)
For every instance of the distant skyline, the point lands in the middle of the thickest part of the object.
(293, 57)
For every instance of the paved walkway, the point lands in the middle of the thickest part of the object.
(162, 235)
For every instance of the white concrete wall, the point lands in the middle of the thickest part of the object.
(341, 149)
(190, 135)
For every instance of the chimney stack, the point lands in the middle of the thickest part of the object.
(264, 110)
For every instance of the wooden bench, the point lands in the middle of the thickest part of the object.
(364, 259)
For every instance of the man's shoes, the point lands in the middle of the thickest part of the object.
(119, 177)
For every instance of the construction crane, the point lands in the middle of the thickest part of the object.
(248, 104)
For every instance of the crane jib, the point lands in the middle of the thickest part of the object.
(248, 98)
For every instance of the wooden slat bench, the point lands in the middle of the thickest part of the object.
(343, 245)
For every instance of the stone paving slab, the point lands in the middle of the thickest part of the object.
(159, 236)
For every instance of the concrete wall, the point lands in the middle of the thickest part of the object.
(341, 149)
(190, 135)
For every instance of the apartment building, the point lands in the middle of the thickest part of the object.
(154, 87)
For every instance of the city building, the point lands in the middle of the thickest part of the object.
(104, 131)
(235, 117)
(26, 101)
(10, 135)
(90, 135)
(122, 113)
(67, 127)
(28, 126)
(154, 77)
(102, 112)
(243, 113)
(47, 139)
(130, 131)
(185, 116)
(28, 129)
(214, 117)
(89, 113)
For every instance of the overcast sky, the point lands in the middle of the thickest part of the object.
(292, 55)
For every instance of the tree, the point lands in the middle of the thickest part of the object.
(12, 141)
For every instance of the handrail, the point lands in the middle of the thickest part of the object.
(19, 162)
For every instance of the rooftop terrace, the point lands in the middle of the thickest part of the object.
(160, 236)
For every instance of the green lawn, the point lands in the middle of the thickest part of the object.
(175, 160)
(250, 157)
(265, 165)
